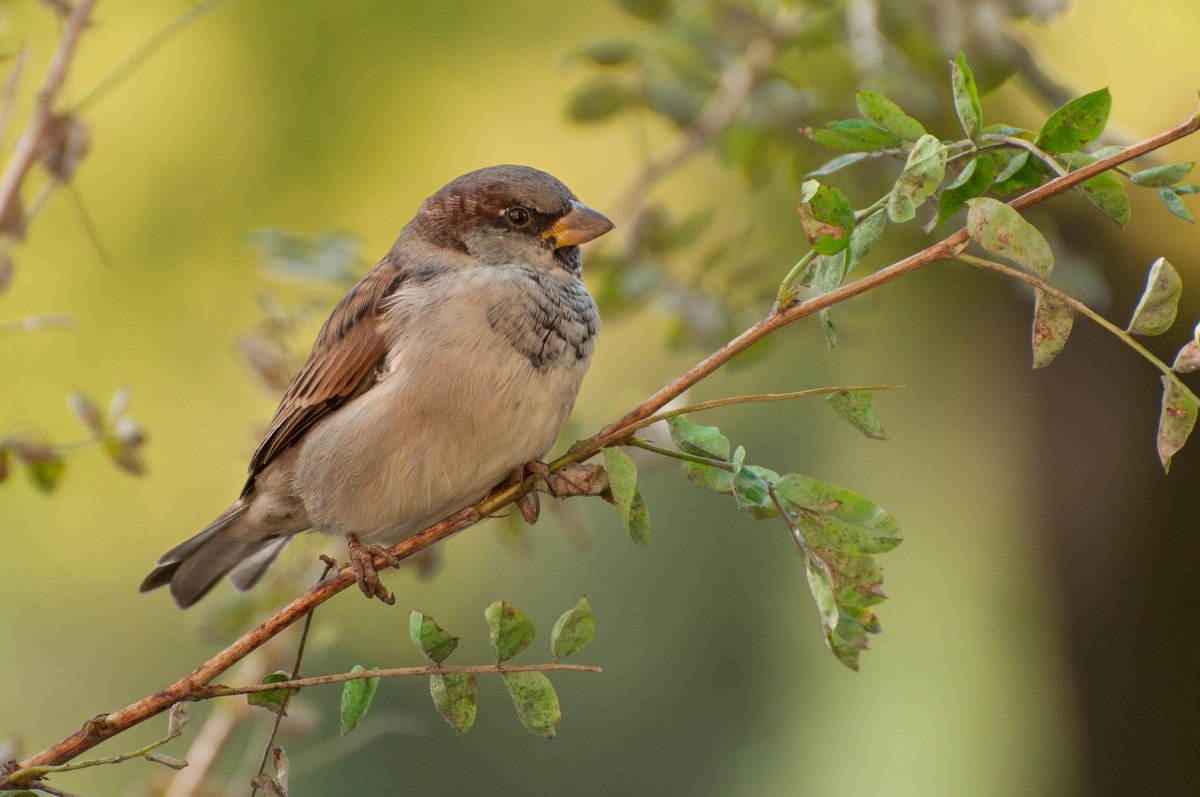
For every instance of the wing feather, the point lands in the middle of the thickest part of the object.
(343, 364)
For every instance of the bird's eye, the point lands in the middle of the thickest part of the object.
(517, 217)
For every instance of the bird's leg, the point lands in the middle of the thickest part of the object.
(362, 560)
(528, 502)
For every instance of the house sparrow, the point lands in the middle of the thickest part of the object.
(453, 362)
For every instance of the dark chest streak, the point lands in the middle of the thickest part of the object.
(552, 323)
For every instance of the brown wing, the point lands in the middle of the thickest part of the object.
(342, 365)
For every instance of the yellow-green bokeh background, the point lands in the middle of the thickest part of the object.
(314, 116)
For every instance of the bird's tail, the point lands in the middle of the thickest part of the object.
(223, 547)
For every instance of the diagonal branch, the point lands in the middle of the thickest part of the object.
(105, 726)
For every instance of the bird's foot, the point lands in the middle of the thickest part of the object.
(528, 502)
(362, 560)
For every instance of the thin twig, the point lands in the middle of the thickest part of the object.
(734, 86)
(1084, 310)
(753, 398)
(26, 150)
(207, 692)
(683, 456)
(105, 726)
(144, 51)
(308, 618)
(1031, 148)
(8, 100)
(794, 530)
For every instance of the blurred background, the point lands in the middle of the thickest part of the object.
(1037, 640)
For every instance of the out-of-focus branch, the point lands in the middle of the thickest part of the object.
(29, 145)
(734, 86)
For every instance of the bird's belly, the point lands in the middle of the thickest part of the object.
(429, 439)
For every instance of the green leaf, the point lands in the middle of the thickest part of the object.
(609, 50)
(43, 462)
(536, 702)
(45, 475)
(511, 630)
(328, 257)
(827, 219)
(1170, 197)
(1076, 124)
(1107, 152)
(854, 134)
(649, 10)
(637, 524)
(966, 97)
(1016, 161)
(1160, 176)
(356, 699)
(1175, 422)
(857, 408)
(429, 637)
(751, 488)
(272, 699)
(599, 99)
(1052, 321)
(857, 577)
(454, 698)
(1022, 171)
(1155, 312)
(865, 234)
(704, 441)
(820, 583)
(971, 182)
(923, 173)
(86, 411)
(573, 630)
(1001, 230)
(887, 114)
(1104, 190)
(710, 478)
(840, 162)
(1106, 193)
(622, 479)
(681, 100)
(759, 504)
(837, 519)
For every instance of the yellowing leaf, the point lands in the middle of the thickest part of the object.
(1155, 312)
(1001, 230)
(1052, 321)
(1175, 422)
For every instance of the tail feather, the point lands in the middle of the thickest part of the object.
(246, 573)
(194, 567)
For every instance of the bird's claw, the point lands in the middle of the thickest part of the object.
(362, 561)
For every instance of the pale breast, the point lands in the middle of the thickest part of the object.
(483, 374)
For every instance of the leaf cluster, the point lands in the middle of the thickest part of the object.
(454, 693)
(836, 531)
(113, 431)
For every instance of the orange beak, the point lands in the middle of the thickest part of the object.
(580, 225)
